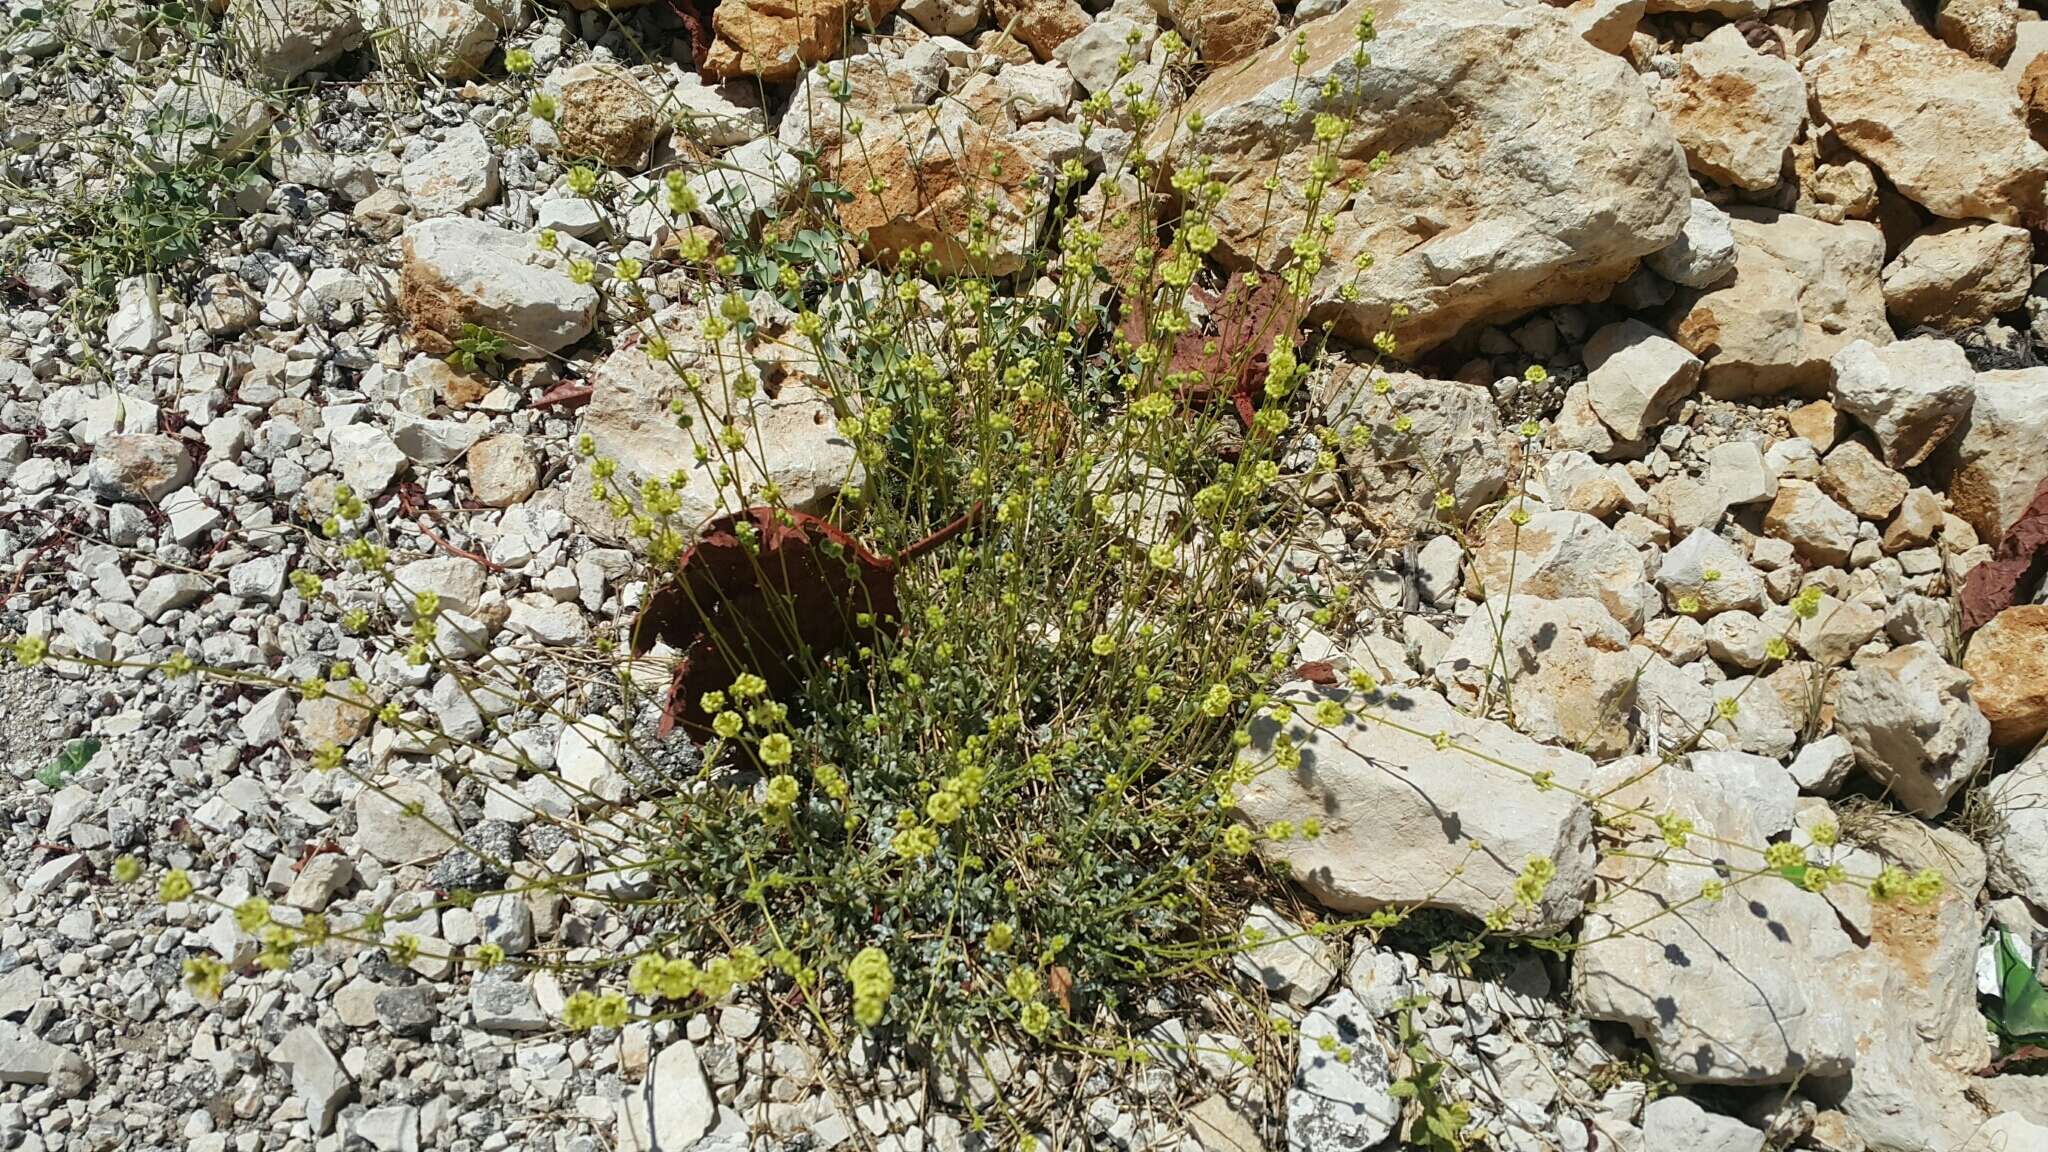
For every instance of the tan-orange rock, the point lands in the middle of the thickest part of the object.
(1225, 31)
(773, 40)
(2008, 659)
(605, 116)
(1041, 25)
(1736, 110)
(1947, 128)
(910, 190)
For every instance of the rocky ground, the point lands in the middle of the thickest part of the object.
(1781, 514)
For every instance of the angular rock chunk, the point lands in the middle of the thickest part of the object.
(1223, 31)
(1955, 276)
(1948, 130)
(912, 187)
(1735, 110)
(458, 272)
(1677, 1122)
(1909, 716)
(774, 39)
(1452, 440)
(1557, 555)
(1804, 517)
(1399, 813)
(1041, 25)
(1635, 378)
(1339, 1101)
(1560, 671)
(445, 38)
(283, 38)
(605, 116)
(318, 1079)
(1802, 289)
(2000, 453)
(200, 115)
(672, 1108)
(403, 821)
(1703, 253)
(139, 466)
(459, 173)
(2018, 841)
(26, 1058)
(1711, 570)
(1288, 961)
(1910, 394)
(1853, 475)
(793, 435)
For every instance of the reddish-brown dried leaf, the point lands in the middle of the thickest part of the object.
(1232, 347)
(798, 595)
(567, 394)
(1993, 586)
(1317, 672)
(1059, 980)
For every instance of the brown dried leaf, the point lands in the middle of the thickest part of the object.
(1059, 980)
(1232, 347)
(801, 593)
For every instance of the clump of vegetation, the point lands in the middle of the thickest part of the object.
(969, 733)
(127, 211)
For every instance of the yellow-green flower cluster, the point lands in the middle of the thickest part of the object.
(585, 1010)
(873, 983)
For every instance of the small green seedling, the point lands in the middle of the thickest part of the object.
(69, 763)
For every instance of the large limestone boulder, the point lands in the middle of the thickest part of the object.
(793, 437)
(454, 271)
(1524, 166)
(1736, 111)
(1946, 129)
(1909, 716)
(1409, 791)
(1802, 289)
(1743, 989)
(1560, 671)
(2000, 455)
